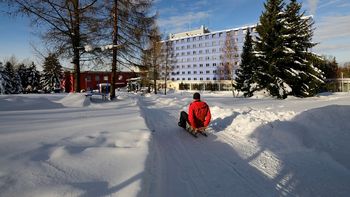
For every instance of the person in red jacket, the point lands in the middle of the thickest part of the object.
(198, 117)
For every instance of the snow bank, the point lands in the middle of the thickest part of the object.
(75, 100)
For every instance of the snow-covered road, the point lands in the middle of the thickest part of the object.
(67, 145)
(248, 152)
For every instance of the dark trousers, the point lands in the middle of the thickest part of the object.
(183, 119)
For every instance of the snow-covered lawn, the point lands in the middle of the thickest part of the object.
(67, 145)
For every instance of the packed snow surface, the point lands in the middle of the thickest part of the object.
(71, 145)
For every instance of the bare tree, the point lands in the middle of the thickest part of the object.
(168, 59)
(67, 25)
(152, 55)
(128, 22)
(229, 60)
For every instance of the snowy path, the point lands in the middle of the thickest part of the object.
(247, 152)
(186, 166)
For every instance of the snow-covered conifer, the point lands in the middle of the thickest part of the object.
(245, 73)
(52, 73)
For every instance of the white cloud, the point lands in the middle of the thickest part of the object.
(181, 22)
(332, 27)
(313, 6)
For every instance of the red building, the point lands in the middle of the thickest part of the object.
(89, 80)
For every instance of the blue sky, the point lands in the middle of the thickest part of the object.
(332, 23)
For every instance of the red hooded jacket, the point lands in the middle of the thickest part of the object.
(199, 114)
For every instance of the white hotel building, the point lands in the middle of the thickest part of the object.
(198, 55)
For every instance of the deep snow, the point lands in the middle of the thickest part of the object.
(67, 145)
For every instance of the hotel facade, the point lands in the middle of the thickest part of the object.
(199, 56)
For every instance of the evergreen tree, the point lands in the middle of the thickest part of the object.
(5, 81)
(270, 51)
(33, 78)
(299, 72)
(52, 73)
(22, 72)
(245, 73)
(13, 86)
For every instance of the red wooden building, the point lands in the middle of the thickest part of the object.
(89, 80)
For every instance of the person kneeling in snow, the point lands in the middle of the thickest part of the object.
(198, 116)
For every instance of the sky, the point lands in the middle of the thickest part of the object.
(332, 23)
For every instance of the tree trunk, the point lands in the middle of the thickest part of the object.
(115, 42)
(76, 45)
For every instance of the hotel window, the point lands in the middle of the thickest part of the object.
(177, 41)
(207, 72)
(207, 58)
(188, 53)
(207, 65)
(194, 39)
(182, 41)
(177, 66)
(208, 78)
(220, 35)
(200, 65)
(214, 71)
(189, 78)
(188, 46)
(172, 79)
(183, 47)
(183, 53)
(183, 66)
(200, 37)
(188, 40)
(183, 79)
(207, 37)
(200, 45)
(213, 50)
(195, 79)
(194, 52)
(194, 46)
(177, 78)
(201, 79)
(194, 59)
(207, 51)
(214, 78)
(214, 64)
(194, 72)
(177, 48)
(188, 59)
(207, 44)
(188, 66)
(200, 51)
(200, 58)
(194, 65)
(183, 72)
(200, 72)
(213, 36)
(214, 43)
(189, 72)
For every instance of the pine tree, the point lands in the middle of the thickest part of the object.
(22, 72)
(303, 78)
(34, 77)
(5, 81)
(52, 73)
(13, 86)
(270, 51)
(245, 73)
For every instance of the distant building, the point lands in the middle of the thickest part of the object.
(89, 80)
(199, 53)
